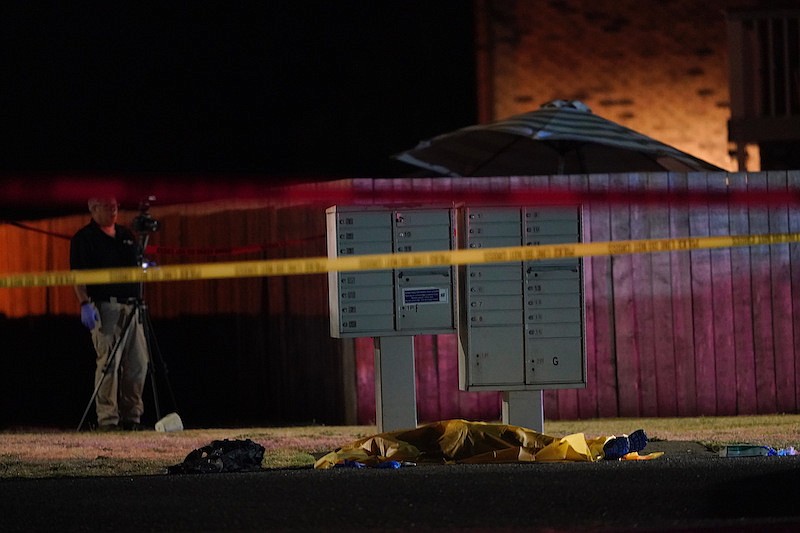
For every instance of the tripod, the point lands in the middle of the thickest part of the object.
(140, 314)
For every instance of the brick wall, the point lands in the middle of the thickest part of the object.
(658, 67)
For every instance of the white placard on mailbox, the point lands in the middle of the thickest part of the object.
(521, 325)
(385, 303)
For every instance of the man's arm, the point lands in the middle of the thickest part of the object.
(77, 261)
(82, 294)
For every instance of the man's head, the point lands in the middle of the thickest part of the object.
(103, 210)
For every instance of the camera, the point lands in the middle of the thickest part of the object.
(144, 221)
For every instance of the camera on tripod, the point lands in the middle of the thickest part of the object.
(144, 222)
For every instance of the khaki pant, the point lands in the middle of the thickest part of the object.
(119, 396)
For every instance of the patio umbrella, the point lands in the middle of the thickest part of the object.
(562, 137)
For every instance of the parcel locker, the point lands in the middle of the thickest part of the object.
(546, 364)
(490, 366)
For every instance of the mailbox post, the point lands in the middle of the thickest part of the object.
(391, 306)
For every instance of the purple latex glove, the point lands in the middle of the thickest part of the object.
(89, 316)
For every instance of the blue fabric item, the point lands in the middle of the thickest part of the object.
(351, 464)
(89, 316)
(637, 440)
(617, 447)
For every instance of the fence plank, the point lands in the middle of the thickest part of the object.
(702, 304)
(683, 319)
(58, 259)
(762, 307)
(22, 252)
(739, 224)
(642, 277)
(664, 343)
(602, 348)
(365, 379)
(722, 304)
(278, 304)
(450, 397)
(453, 402)
(627, 351)
(793, 181)
(782, 328)
(7, 266)
(427, 378)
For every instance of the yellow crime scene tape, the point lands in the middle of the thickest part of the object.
(319, 265)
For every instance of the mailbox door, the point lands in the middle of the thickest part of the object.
(494, 357)
(554, 361)
(424, 299)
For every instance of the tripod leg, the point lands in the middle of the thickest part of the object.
(110, 361)
(144, 320)
(154, 354)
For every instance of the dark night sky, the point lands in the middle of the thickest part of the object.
(296, 89)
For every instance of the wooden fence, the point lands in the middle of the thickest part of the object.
(706, 332)
(703, 332)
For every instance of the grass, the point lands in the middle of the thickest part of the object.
(38, 453)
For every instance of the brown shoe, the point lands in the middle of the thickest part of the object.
(107, 427)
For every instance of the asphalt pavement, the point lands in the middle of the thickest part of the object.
(687, 489)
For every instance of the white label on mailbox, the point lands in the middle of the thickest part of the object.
(425, 295)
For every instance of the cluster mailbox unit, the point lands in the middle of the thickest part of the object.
(520, 325)
(385, 303)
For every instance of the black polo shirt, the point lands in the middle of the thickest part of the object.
(91, 248)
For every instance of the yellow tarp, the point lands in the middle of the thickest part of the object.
(460, 441)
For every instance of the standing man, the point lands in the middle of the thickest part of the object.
(105, 309)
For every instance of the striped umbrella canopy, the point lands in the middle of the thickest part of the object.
(562, 137)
